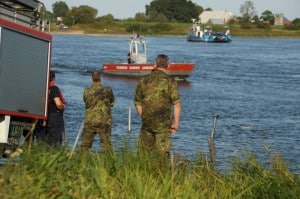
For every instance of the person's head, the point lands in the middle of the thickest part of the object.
(162, 61)
(52, 76)
(96, 76)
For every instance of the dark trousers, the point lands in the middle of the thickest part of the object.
(54, 131)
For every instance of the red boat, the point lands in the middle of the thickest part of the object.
(137, 63)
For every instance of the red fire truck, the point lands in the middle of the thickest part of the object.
(25, 59)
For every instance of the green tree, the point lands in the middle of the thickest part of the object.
(255, 19)
(172, 10)
(104, 21)
(83, 15)
(248, 11)
(108, 17)
(295, 25)
(199, 9)
(296, 21)
(267, 16)
(160, 18)
(51, 17)
(140, 17)
(60, 9)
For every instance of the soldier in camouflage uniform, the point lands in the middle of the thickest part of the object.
(98, 101)
(155, 96)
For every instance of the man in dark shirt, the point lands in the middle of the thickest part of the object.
(55, 123)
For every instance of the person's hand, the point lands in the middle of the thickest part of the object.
(174, 128)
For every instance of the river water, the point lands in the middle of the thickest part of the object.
(252, 84)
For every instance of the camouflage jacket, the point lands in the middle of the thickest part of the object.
(98, 101)
(156, 93)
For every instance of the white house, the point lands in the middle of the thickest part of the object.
(215, 17)
(278, 19)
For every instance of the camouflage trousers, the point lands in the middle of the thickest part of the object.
(89, 134)
(155, 142)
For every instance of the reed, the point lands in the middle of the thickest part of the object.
(50, 173)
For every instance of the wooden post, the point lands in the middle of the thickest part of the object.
(77, 138)
(211, 143)
(30, 135)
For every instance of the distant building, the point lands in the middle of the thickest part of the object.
(280, 19)
(215, 17)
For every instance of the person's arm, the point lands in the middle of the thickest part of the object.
(112, 98)
(59, 103)
(138, 98)
(139, 109)
(177, 115)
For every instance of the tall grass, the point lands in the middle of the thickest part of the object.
(50, 173)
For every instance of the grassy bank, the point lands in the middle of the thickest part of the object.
(47, 173)
(180, 29)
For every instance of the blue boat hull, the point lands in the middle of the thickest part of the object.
(209, 39)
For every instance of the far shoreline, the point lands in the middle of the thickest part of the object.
(82, 33)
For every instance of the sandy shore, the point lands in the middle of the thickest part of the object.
(80, 32)
(75, 32)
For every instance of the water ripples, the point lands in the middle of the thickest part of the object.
(252, 85)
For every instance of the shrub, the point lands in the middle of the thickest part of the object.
(246, 25)
(161, 27)
(262, 25)
(136, 28)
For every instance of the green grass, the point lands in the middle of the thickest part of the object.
(46, 173)
(177, 29)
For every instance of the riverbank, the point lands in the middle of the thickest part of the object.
(172, 29)
(245, 34)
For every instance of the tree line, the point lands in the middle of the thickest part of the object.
(162, 11)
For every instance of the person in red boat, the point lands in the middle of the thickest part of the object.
(129, 58)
